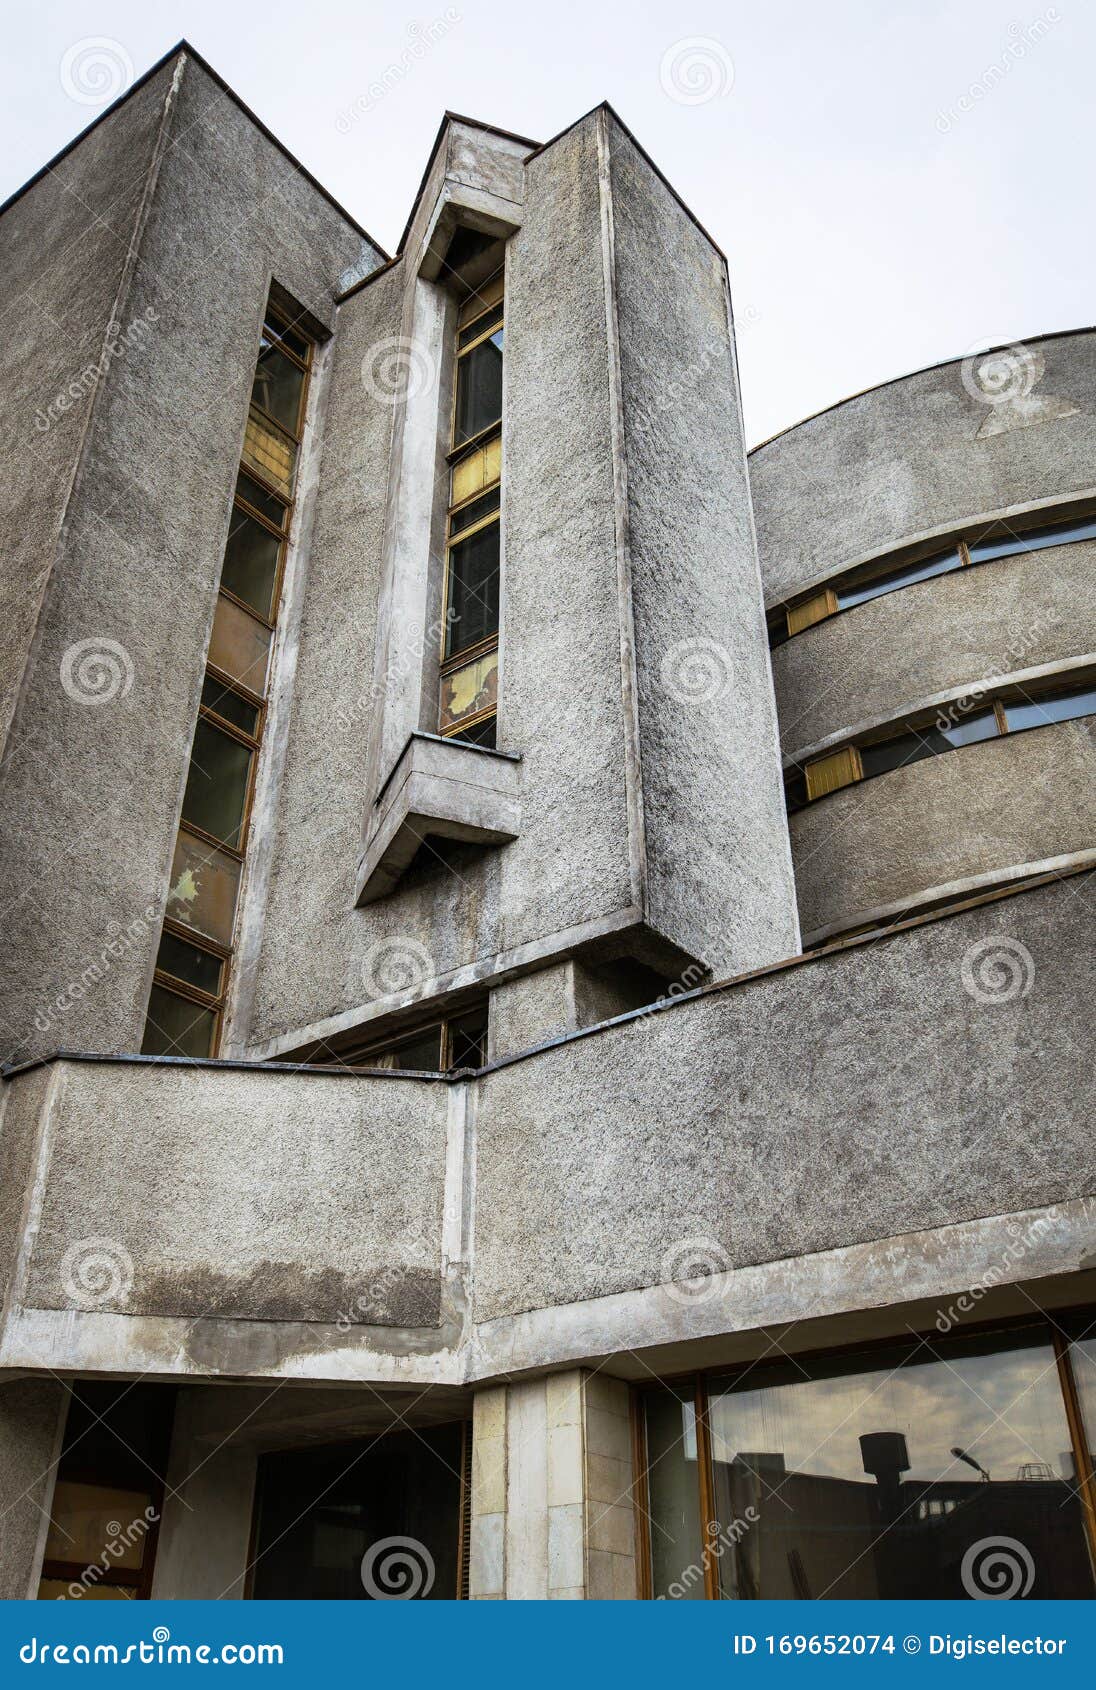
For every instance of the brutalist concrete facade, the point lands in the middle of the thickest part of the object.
(844, 1136)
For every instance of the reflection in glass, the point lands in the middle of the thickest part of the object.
(1061, 534)
(1040, 712)
(473, 597)
(874, 1479)
(928, 741)
(890, 583)
(479, 389)
(190, 963)
(469, 691)
(673, 1496)
(216, 787)
(262, 501)
(239, 645)
(229, 704)
(278, 386)
(251, 561)
(176, 1026)
(320, 1510)
(204, 883)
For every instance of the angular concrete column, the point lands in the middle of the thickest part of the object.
(32, 1419)
(206, 1529)
(552, 1509)
(565, 997)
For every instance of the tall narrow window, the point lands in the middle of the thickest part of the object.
(470, 653)
(192, 965)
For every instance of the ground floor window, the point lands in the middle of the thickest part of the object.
(375, 1519)
(108, 1496)
(928, 1469)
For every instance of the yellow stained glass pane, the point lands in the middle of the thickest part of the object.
(204, 884)
(95, 1523)
(469, 691)
(269, 451)
(239, 645)
(478, 470)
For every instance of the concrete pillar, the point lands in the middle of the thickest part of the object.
(205, 1532)
(32, 1420)
(552, 1507)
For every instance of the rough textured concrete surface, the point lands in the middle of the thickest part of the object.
(717, 863)
(233, 1194)
(924, 454)
(882, 1089)
(95, 771)
(986, 808)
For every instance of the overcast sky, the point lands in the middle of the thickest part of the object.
(893, 183)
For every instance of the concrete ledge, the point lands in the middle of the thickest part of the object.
(440, 787)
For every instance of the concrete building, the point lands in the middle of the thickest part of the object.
(547, 964)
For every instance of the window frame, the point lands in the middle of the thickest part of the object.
(1059, 1328)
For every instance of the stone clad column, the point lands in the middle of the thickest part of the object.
(552, 1510)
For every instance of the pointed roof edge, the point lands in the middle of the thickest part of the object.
(536, 148)
(184, 47)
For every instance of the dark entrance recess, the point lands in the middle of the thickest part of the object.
(377, 1518)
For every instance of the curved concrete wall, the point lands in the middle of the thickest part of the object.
(993, 619)
(922, 455)
(984, 809)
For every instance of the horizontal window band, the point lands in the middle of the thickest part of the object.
(482, 648)
(199, 940)
(964, 552)
(183, 989)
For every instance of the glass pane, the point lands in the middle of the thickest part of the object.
(1034, 540)
(216, 787)
(473, 591)
(275, 329)
(251, 561)
(928, 741)
(190, 963)
(269, 452)
(177, 1027)
(279, 383)
(239, 645)
(481, 733)
(265, 503)
(1083, 1357)
(474, 512)
(52, 1590)
(887, 1478)
(468, 691)
(487, 320)
(80, 1520)
(230, 705)
(204, 883)
(479, 389)
(1038, 712)
(468, 1039)
(423, 1052)
(673, 1488)
(890, 583)
(327, 1517)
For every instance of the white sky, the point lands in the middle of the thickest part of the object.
(867, 234)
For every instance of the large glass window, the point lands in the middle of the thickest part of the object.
(184, 1012)
(468, 691)
(364, 1521)
(884, 1474)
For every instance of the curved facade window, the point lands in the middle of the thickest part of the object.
(829, 601)
(953, 726)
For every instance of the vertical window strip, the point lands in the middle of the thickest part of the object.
(193, 962)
